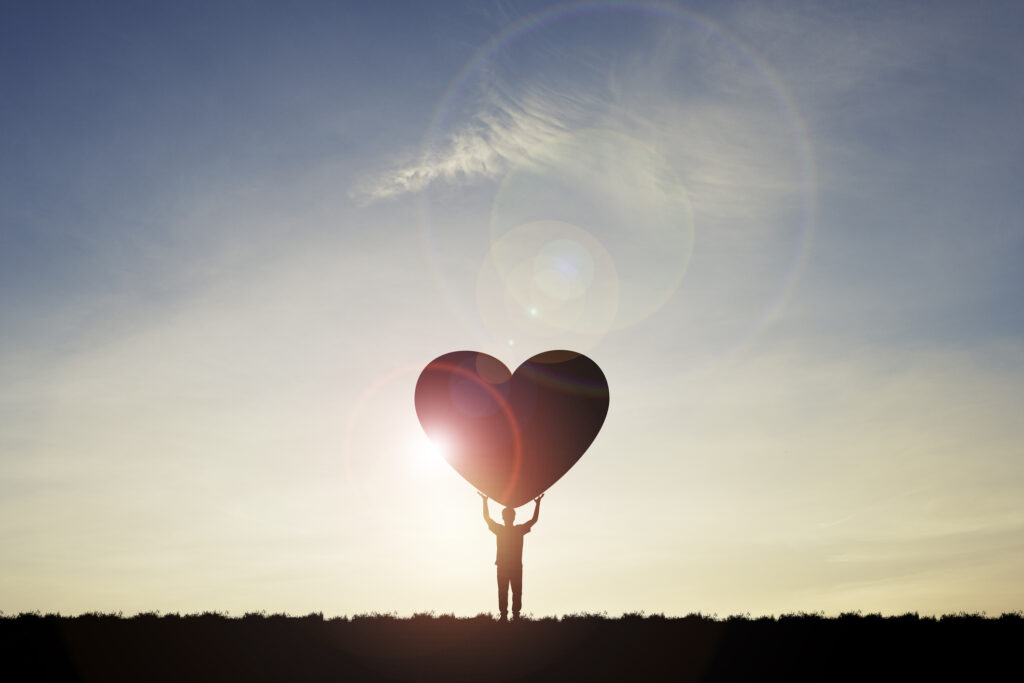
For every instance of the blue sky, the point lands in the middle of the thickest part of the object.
(231, 236)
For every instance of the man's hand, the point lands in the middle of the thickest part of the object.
(537, 499)
(481, 495)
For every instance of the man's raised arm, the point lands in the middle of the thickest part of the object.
(536, 511)
(487, 513)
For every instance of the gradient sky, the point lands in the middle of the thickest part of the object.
(232, 234)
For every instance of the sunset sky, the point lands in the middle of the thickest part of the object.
(790, 233)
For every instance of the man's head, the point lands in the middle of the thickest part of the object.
(509, 515)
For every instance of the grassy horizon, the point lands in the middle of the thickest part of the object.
(442, 647)
(528, 617)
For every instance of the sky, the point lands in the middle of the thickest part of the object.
(233, 234)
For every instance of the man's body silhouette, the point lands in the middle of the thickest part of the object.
(510, 554)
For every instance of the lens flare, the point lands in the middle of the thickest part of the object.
(548, 279)
(625, 196)
(643, 132)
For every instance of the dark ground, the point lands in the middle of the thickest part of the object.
(587, 647)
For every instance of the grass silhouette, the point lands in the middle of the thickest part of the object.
(429, 647)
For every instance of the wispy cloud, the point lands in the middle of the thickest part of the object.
(737, 157)
(503, 133)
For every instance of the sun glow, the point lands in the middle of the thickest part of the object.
(434, 449)
(427, 453)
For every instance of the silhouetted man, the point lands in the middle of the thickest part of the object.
(510, 554)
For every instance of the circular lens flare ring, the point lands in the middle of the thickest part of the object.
(478, 66)
(548, 280)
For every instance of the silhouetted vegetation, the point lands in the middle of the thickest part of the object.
(636, 646)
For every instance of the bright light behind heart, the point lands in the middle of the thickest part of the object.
(434, 449)
(429, 453)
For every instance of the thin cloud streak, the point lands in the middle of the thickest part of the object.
(499, 137)
(736, 158)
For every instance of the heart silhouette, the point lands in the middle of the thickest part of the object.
(512, 435)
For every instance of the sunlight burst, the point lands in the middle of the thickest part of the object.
(429, 454)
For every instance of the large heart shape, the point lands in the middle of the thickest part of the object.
(512, 435)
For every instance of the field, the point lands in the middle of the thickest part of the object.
(260, 647)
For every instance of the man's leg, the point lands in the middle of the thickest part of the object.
(516, 579)
(503, 581)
